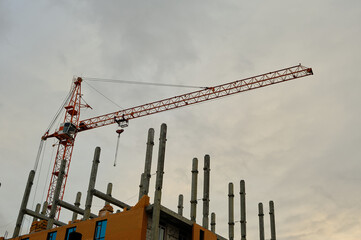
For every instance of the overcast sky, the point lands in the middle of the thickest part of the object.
(296, 143)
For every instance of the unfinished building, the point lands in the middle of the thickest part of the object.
(143, 221)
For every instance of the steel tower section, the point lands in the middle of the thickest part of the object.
(66, 136)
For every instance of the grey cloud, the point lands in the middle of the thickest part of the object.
(296, 143)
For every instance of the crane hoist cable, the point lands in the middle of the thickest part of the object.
(120, 130)
(122, 123)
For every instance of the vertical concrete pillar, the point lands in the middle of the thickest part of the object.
(54, 204)
(24, 203)
(194, 189)
(243, 210)
(206, 181)
(141, 186)
(213, 222)
(77, 204)
(180, 204)
(230, 211)
(109, 191)
(37, 210)
(272, 220)
(159, 182)
(261, 221)
(45, 207)
(91, 186)
(145, 180)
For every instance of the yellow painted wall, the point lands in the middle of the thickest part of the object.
(127, 225)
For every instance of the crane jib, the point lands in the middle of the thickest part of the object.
(209, 93)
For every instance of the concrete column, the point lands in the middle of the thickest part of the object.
(261, 221)
(37, 210)
(272, 220)
(206, 181)
(77, 204)
(141, 186)
(24, 203)
(213, 222)
(194, 189)
(230, 211)
(109, 192)
(159, 182)
(54, 204)
(45, 207)
(91, 186)
(180, 204)
(145, 180)
(243, 210)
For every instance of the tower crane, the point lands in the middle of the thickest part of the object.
(72, 125)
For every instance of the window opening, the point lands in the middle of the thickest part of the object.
(68, 231)
(75, 236)
(100, 230)
(51, 236)
(201, 235)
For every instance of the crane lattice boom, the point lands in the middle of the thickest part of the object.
(72, 126)
(209, 93)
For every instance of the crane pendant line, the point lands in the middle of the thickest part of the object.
(72, 126)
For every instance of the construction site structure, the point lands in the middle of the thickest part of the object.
(144, 220)
(72, 125)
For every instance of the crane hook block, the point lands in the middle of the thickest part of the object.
(119, 131)
(122, 122)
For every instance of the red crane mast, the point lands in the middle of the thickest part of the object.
(72, 125)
